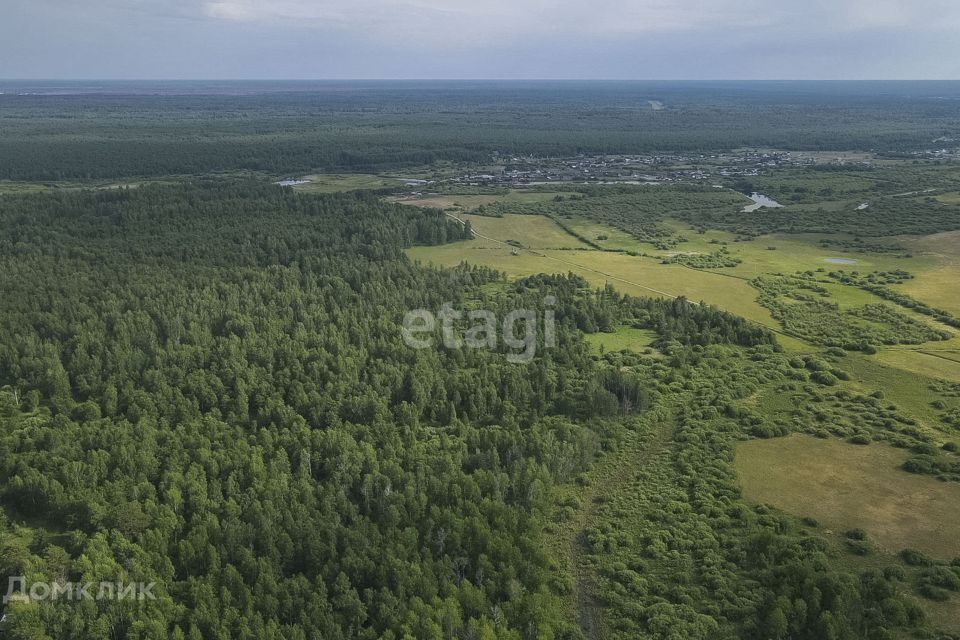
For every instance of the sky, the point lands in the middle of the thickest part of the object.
(496, 39)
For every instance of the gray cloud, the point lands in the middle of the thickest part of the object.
(492, 38)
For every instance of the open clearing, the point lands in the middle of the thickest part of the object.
(629, 274)
(523, 245)
(845, 486)
(945, 365)
(789, 253)
(7, 186)
(906, 389)
(949, 198)
(535, 232)
(332, 183)
(940, 284)
(624, 338)
(642, 276)
(470, 202)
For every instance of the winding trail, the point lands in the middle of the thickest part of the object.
(612, 475)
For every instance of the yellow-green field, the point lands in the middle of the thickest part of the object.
(939, 284)
(332, 183)
(624, 338)
(927, 363)
(522, 245)
(844, 486)
(633, 275)
(14, 187)
(470, 202)
(949, 198)
(647, 276)
(7, 186)
(535, 232)
(910, 391)
(792, 253)
(606, 237)
(786, 253)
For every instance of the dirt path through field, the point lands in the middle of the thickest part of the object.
(612, 475)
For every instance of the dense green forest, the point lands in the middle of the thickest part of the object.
(125, 130)
(205, 387)
(211, 393)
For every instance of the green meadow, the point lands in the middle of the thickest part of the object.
(521, 245)
(624, 338)
(471, 202)
(845, 486)
(332, 182)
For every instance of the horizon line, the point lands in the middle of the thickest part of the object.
(468, 79)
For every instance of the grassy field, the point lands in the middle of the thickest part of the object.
(606, 236)
(908, 390)
(925, 363)
(938, 285)
(935, 260)
(803, 252)
(633, 275)
(332, 183)
(845, 486)
(535, 232)
(548, 248)
(647, 276)
(471, 202)
(624, 338)
(949, 198)
(6, 186)
(11, 187)
(789, 253)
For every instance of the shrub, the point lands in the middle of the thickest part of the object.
(894, 573)
(924, 449)
(921, 465)
(945, 577)
(934, 593)
(825, 378)
(859, 547)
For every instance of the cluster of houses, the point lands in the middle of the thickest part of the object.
(510, 171)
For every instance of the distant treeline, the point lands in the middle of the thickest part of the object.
(371, 126)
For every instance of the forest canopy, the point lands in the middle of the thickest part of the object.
(204, 387)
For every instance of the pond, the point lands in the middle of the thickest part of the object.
(840, 260)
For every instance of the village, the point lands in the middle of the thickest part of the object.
(511, 171)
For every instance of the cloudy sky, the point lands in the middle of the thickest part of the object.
(615, 39)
